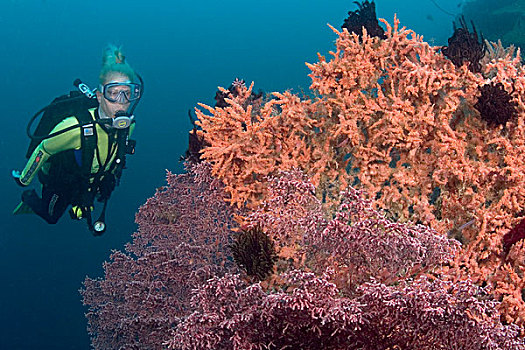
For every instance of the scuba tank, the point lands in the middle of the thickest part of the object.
(60, 108)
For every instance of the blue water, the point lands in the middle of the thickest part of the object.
(183, 50)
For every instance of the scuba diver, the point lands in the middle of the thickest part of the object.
(79, 147)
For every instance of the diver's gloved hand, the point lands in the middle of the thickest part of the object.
(16, 176)
(106, 186)
(77, 213)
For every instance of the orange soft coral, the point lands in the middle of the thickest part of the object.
(395, 117)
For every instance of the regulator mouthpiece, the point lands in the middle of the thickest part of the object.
(122, 120)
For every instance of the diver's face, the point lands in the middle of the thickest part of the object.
(111, 108)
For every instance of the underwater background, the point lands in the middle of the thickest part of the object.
(183, 50)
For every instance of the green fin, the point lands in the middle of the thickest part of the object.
(23, 208)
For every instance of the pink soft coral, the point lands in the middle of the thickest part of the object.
(183, 237)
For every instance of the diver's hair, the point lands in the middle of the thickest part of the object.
(114, 61)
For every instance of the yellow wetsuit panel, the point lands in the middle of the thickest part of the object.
(71, 140)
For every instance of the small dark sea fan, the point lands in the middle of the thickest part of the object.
(220, 97)
(254, 252)
(465, 46)
(495, 105)
(366, 17)
(196, 144)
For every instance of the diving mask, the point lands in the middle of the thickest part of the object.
(122, 92)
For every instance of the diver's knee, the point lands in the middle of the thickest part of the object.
(51, 221)
(30, 197)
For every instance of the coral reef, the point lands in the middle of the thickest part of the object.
(356, 241)
(303, 305)
(420, 315)
(396, 118)
(384, 212)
